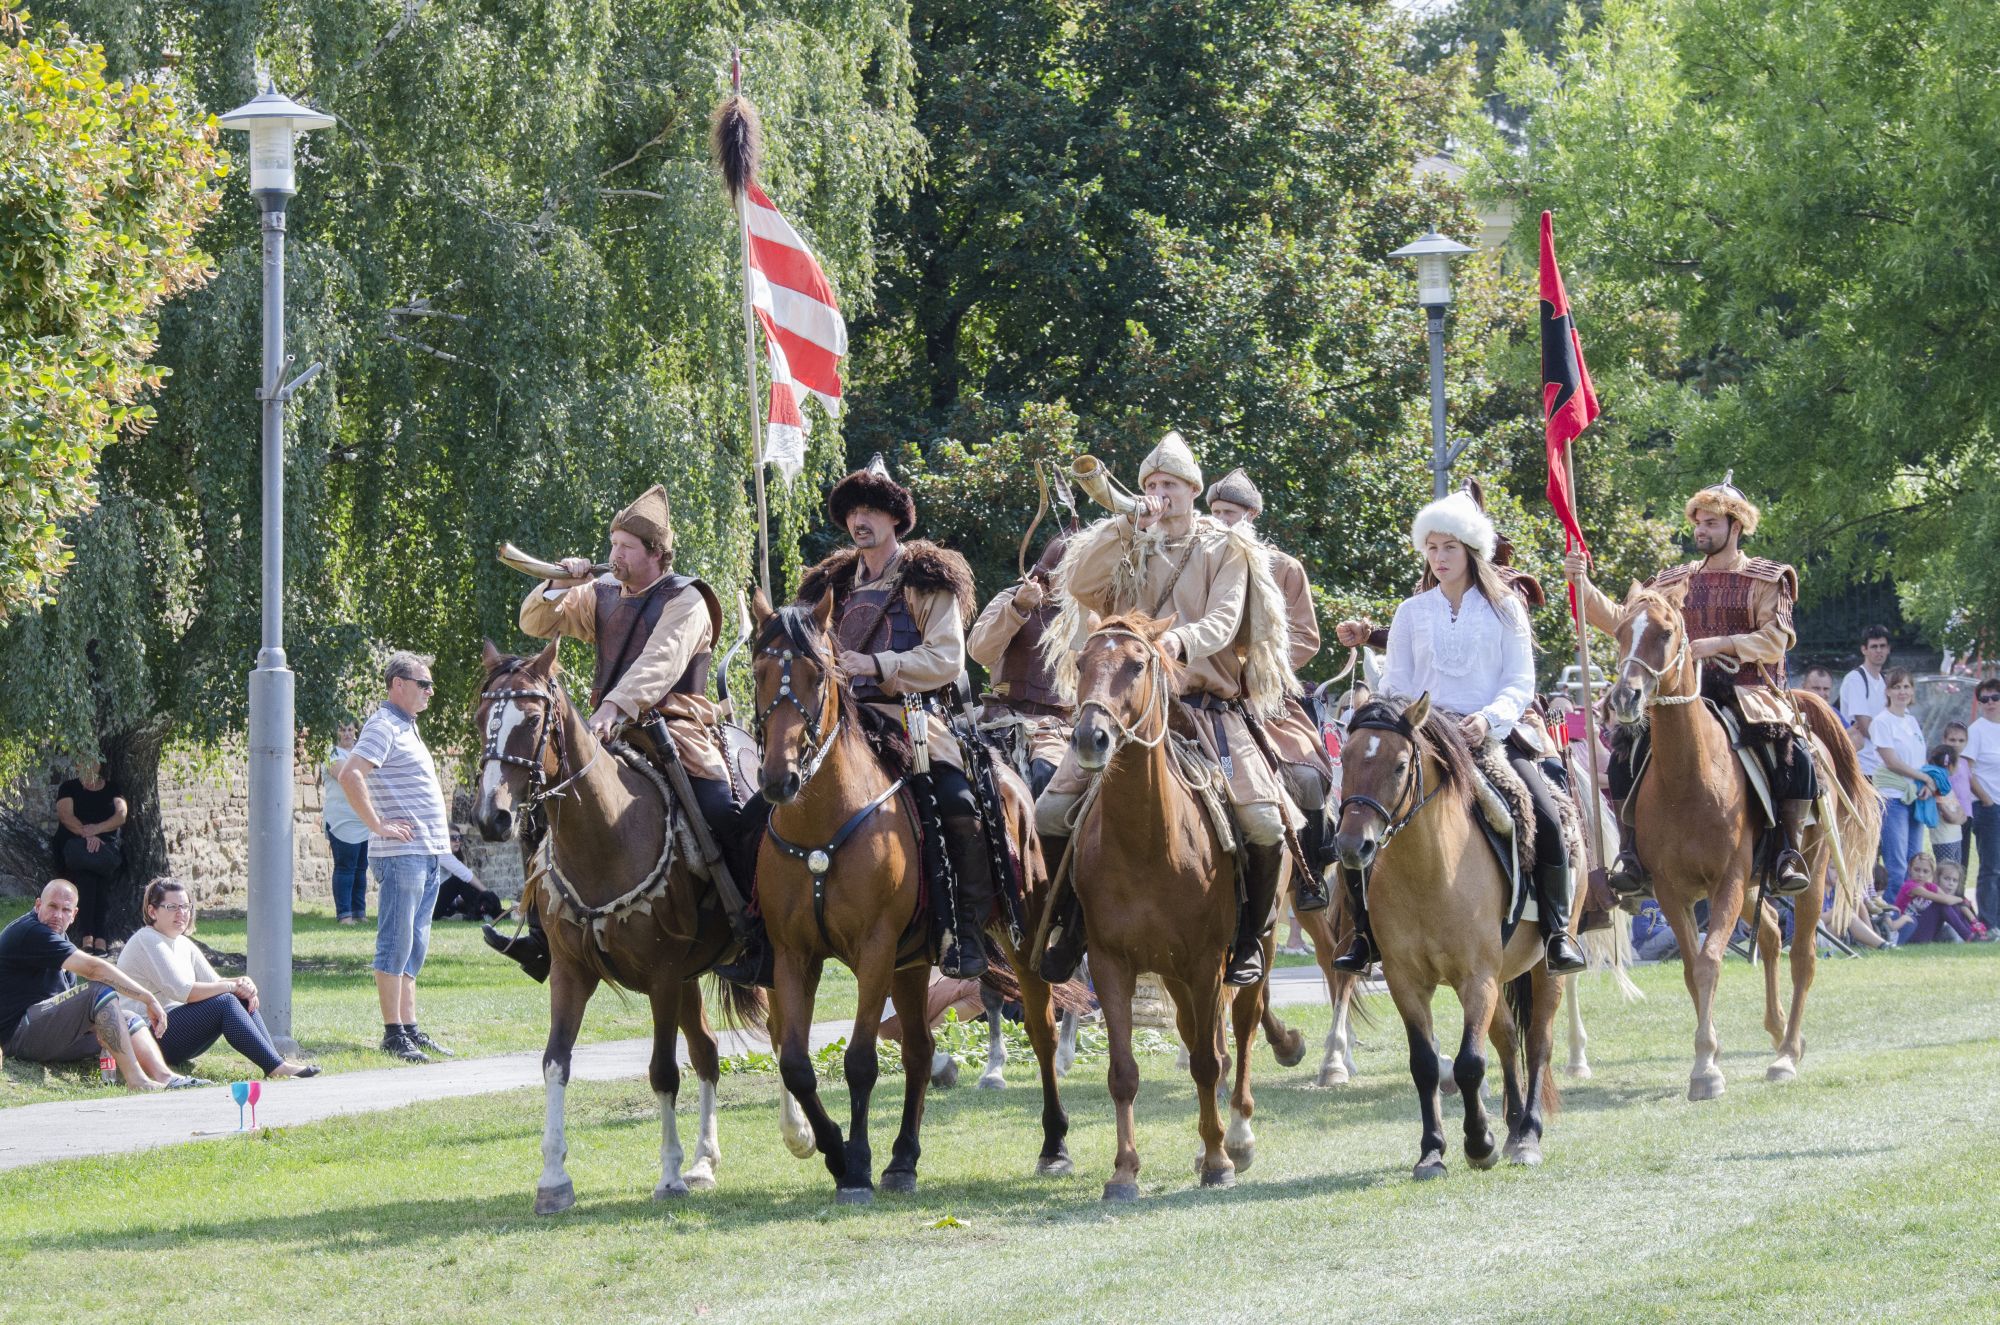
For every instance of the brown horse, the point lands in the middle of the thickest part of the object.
(1158, 889)
(839, 876)
(1437, 897)
(617, 903)
(1694, 828)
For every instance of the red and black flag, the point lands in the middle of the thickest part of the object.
(1568, 402)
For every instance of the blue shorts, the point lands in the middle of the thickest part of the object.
(408, 888)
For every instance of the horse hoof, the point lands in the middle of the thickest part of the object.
(947, 1077)
(899, 1183)
(991, 1081)
(1781, 1071)
(1057, 1167)
(555, 1200)
(1705, 1088)
(700, 1182)
(1121, 1191)
(668, 1191)
(1527, 1154)
(1218, 1177)
(1485, 1161)
(1579, 1071)
(854, 1196)
(1430, 1166)
(1447, 1082)
(1333, 1076)
(800, 1144)
(1241, 1156)
(1292, 1052)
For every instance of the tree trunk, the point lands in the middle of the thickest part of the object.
(132, 762)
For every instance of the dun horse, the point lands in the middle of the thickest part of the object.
(1693, 826)
(1438, 898)
(838, 876)
(616, 901)
(1157, 888)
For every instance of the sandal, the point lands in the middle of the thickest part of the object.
(305, 1070)
(179, 1082)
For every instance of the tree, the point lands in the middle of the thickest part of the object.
(1778, 217)
(519, 267)
(104, 187)
(1483, 27)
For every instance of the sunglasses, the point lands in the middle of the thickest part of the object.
(419, 682)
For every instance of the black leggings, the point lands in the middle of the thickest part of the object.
(92, 873)
(193, 1028)
(1549, 852)
(1787, 761)
(954, 793)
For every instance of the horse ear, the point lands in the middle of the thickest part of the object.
(823, 613)
(489, 657)
(1676, 595)
(1156, 627)
(1633, 592)
(760, 607)
(545, 663)
(1418, 712)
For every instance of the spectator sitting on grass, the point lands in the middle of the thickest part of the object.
(47, 1016)
(1935, 908)
(461, 894)
(201, 1006)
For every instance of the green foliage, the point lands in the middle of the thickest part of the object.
(1776, 217)
(1481, 28)
(103, 186)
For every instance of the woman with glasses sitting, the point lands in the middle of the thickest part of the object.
(201, 1006)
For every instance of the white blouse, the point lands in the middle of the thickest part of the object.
(1481, 661)
(170, 967)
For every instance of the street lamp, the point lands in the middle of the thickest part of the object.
(271, 120)
(1434, 254)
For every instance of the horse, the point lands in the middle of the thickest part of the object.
(616, 901)
(1158, 888)
(1438, 899)
(839, 877)
(1693, 825)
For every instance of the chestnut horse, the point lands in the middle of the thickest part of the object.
(1157, 887)
(1695, 829)
(607, 839)
(1437, 897)
(847, 889)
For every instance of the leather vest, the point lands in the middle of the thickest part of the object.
(1718, 603)
(625, 623)
(876, 620)
(1022, 677)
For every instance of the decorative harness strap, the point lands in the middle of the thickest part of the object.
(819, 860)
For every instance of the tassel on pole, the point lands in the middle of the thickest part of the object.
(736, 140)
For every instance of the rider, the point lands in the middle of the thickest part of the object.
(1234, 500)
(655, 632)
(1024, 706)
(1233, 640)
(1738, 612)
(1466, 642)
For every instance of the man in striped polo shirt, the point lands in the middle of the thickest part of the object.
(392, 783)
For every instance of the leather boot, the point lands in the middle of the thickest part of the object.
(1361, 953)
(1254, 918)
(1060, 960)
(754, 963)
(1553, 884)
(1627, 875)
(1309, 891)
(962, 954)
(530, 948)
(1790, 876)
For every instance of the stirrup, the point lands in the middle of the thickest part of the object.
(1793, 882)
(1571, 958)
(1626, 875)
(1360, 955)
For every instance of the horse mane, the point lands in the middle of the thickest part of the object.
(1643, 597)
(1137, 623)
(1439, 737)
(793, 625)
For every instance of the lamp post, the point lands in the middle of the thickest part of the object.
(271, 119)
(1434, 254)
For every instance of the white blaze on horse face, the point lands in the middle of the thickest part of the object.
(1639, 624)
(510, 716)
(1374, 745)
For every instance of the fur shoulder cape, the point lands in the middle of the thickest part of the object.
(926, 568)
(1263, 639)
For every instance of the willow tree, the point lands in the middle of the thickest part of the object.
(518, 265)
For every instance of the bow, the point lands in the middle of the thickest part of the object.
(1041, 509)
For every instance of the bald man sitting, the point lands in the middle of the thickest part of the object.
(47, 1016)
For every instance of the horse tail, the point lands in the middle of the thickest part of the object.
(744, 1007)
(1610, 949)
(1857, 810)
(1521, 1007)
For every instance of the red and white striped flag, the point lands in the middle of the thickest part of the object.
(803, 330)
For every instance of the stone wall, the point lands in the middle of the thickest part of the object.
(205, 815)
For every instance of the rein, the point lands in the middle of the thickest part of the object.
(539, 788)
(1659, 674)
(1394, 821)
(1156, 702)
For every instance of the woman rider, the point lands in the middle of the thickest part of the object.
(1465, 641)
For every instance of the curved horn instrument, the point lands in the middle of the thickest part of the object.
(546, 570)
(1089, 473)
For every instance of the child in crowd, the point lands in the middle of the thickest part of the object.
(1935, 908)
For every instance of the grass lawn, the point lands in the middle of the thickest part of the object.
(469, 997)
(1862, 1192)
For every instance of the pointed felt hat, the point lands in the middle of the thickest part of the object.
(1172, 456)
(649, 519)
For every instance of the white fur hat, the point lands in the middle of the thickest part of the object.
(1459, 516)
(1172, 456)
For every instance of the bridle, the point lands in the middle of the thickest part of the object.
(818, 743)
(1673, 665)
(1394, 821)
(1155, 710)
(549, 737)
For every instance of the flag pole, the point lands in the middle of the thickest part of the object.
(742, 200)
(1593, 847)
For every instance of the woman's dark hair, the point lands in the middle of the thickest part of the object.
(1944, 757)
(156, 894)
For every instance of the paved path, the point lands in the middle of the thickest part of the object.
(66, 1129)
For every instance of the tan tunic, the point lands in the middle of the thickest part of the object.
(1770, 603)
(682, 632)
(1115, 569)
(932, 665)
(1290, 574)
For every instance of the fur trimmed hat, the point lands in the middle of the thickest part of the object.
(1172, 456)
(649, 519)
(1725, 498)
(1235, 486)
(872, 487)
(1459, 516)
